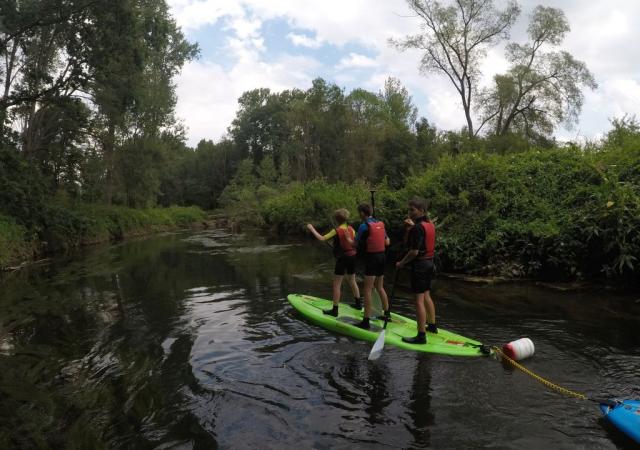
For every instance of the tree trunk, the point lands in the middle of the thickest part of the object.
(109, 145)
(467, 113)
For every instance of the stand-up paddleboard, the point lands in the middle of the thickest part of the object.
(625, 416)
(445, 342)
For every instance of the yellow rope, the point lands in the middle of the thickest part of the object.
(547, 383)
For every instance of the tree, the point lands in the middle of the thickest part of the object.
(427, 142)
(40, 47)
(134, 51)
(623, 129)
(543, 87)
(455, 40)
(57, 135)
(398, 144)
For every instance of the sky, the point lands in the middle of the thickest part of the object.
(285, 44)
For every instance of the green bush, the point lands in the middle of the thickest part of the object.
(560, 213)
(64, 227)
(14, 243)
(298, 204)
(554, 213)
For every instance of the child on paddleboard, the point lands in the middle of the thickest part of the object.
(372, 242)
(421, 239)
(343, 236)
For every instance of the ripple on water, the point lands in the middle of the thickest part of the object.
(188, 341)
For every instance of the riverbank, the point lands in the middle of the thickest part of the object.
(559, 214)
(68, 228)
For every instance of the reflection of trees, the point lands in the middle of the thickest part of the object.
(87, 363)
(420, 405)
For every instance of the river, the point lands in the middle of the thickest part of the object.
(186, 340)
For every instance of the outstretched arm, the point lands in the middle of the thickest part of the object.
(315, 233)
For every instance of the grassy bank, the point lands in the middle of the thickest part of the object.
(14, 244)
(561, 213)
(64, 228)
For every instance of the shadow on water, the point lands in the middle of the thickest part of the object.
(186, 340)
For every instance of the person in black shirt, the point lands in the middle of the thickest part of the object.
(421, 238)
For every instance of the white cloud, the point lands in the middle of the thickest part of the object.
(191, 15)
(208, 94)
(602, 36)
(356, 61)
(301, 40)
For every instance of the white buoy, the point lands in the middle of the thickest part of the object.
(518, 350)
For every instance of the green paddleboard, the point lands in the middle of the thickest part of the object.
(444, 342)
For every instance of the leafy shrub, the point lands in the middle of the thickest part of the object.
(315, 201)
(14, 244)
(554, 213)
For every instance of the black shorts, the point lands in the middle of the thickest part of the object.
(374, 264)
(345, 264)
(422, 271)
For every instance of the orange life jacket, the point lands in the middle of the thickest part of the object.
(376, 237)
(429, 239)
(341, 235)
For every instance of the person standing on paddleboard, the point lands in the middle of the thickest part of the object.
(372, 241)
(343, 236)
(421, 239)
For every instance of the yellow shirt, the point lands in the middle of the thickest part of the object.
(332, 233)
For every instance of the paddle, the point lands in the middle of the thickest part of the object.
(378, 346)
(373, 202)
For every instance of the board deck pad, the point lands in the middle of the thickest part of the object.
(444, 342)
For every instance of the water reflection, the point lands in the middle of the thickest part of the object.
(420, 404)
(186, 341)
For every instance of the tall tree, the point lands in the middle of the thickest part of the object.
(115, 56)
(39, 47)
(455, 40)
(398, 143)
(543, 87)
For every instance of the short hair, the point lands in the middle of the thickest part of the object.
(341, 215)
(418, 203)
(365, 208)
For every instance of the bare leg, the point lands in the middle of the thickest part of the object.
(368, 287)
(337, 289)
(354, 285)
(421, 312)
(430, 308)
(383, 294)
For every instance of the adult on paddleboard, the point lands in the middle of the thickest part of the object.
(343, 237)
(420, 239)
(372, 242)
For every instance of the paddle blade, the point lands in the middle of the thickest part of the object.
(377, 348)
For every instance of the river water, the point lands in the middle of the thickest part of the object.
(186, 340)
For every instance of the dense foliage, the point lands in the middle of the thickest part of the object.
(88, 95)
(86, 117)
(89, 146)
(14, 245)
(66, 227)
(556, 213)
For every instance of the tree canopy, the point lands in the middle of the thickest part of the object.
(541, 89)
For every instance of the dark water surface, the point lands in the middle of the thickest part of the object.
(186, 340)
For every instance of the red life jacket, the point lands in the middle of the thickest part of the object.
(341, 234)
(376, 237)
(429, 239)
